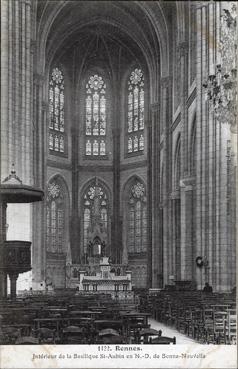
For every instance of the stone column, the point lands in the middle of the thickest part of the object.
(124, 238)
(16, 91)
(149, 201)
(116, 230)
(187, 251)
(40, 109)
(3, 285)
(116, 240)
(183, 53)
(165, 143)
(13, 280)
(212, 137)
(3, 274)
(201, 36)
(77, 250)
(160, 273)
(176, 234)
(156, 252)
(5, 51)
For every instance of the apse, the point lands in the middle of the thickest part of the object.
(97, 91)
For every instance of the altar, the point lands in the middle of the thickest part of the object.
(106, 280)
(100, 276)
(97, 273)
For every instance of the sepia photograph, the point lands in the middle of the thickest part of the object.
(118, 187)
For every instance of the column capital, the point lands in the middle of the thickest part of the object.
(183, 48)
(45, 105)
(27, 2)
(165, 81)
(175, 195)
(162, 204)
(38, 79)
(33, 46)
(13, 276)
(155, 106)
(203, 4)
(187, 183)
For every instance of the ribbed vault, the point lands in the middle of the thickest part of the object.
(131, 26)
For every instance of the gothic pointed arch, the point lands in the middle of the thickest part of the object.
(135, 222)
(95, 116)
(135, 120)
(57, 215)
(57, 132)
(94, 110)
(53, 20)
(136, 215)
(95, 207)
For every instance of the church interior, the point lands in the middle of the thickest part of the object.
(118, 172)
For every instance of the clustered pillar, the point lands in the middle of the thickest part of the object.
(3, 274)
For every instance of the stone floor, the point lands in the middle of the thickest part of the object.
(169, 332)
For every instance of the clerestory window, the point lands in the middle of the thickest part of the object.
(95, 117)
(135, 112)
(56, 112)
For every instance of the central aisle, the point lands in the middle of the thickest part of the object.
(169, 332)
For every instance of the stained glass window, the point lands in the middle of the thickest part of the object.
(130, 144)
(56, 111)
(95, 116)
(55, 217)
(135, 111)
(137, 219)
(141, 142)
(95, 205)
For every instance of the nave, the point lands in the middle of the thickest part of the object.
(181, 338)
(118, 175)
(180, 317)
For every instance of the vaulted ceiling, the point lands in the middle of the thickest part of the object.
(137, 28)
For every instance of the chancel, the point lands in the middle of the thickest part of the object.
(118, 172)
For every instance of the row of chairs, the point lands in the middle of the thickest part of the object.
(60, 321)
(208, 319)
(76, 335)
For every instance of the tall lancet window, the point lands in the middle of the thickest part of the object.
(95, 117)
(95, 205)
(135, 112)
(137, 219)
(55, 217)
(56, 111)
